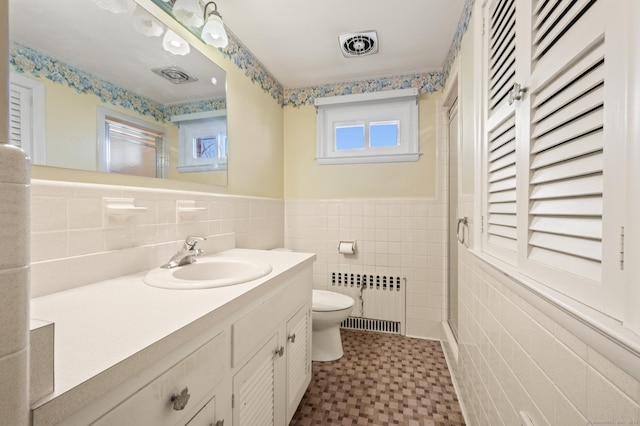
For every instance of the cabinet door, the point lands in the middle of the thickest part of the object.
(255, 388)
(206, 416)
(298, 352)
(174, 396)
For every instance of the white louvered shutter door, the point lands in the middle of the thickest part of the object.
(568, 130)
(254, 389)
(501, 65)
(20, 117)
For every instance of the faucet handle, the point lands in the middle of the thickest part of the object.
(191, 241)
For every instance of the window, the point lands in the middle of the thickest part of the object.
(368, 128)
(551, 150)
(130, 146)
(203, 141)
(26, 111)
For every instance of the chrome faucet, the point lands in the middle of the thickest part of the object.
(187, 254)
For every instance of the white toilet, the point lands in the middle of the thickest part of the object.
(329, 310)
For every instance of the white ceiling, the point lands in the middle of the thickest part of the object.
(297, 40)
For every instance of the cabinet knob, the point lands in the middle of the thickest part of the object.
(292, 338)
(180, 400)
(279, 352)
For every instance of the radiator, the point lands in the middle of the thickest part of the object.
(379, 301)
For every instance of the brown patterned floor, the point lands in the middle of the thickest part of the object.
(383, 379)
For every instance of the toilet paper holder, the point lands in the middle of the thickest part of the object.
(347, 247)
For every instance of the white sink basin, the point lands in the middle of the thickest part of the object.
(208, 272)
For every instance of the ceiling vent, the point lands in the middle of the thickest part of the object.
(359, 44)
(174, 74)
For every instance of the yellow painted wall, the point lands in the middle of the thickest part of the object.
(256, 153)
(304, 179)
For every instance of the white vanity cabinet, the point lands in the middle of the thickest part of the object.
(234, 355)
(182, 395)
(272, 354)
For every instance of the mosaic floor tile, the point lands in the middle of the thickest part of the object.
(383, 379)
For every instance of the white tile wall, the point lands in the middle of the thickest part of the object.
(405, 237)
(74, 243)
(512, 357)
(14, 285)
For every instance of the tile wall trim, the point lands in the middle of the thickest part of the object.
(75, 242)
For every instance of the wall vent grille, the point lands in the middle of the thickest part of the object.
(368, 281)
(370, 324)
(379, 301)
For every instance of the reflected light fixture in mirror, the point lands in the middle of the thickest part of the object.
(175, 44)
(213, 32)
(189, 13)
(115, 6)
(146, 24)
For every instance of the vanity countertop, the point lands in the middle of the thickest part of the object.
(108, 331)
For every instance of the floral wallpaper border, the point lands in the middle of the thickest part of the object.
(25, 59)
(426, 82)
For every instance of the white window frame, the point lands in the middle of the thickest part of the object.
(32, 115)
(394, 105)
(161, 149)
(187, 163)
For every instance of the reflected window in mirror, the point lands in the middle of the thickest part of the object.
(26, 117)
(130, 146)
(203, 141)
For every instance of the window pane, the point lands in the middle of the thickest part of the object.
(349, 137)
(206, 147)
(383, 134)
(131, 158)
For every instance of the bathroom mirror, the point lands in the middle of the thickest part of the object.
(105, 98)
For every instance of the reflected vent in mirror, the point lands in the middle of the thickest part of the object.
(174, 74)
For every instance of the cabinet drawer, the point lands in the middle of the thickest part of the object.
(250, 330)
(198, 373)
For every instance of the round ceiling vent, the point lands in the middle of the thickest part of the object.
(359, 44)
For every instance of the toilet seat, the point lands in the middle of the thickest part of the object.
(327, 301)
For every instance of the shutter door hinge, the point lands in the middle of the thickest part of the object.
(622, 248)
(482, 224)
(483, 27)
(233, 400)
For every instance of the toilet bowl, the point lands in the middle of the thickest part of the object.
(329, 310)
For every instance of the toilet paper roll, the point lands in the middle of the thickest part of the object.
(347, 247)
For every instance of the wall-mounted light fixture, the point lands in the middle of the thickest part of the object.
(175, 44)
(188, 12)
(213, 32)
